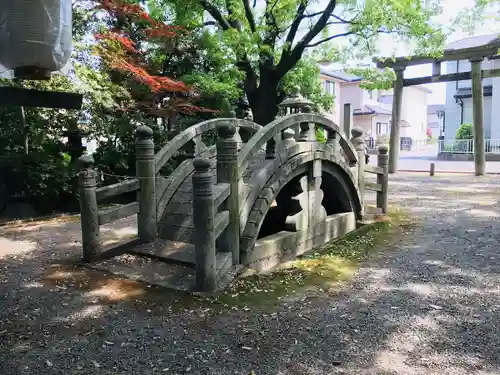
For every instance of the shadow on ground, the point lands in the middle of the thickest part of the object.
(427, 305)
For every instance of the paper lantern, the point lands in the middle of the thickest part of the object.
(35, 36)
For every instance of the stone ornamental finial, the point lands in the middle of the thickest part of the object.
(226, 130)
(356, 132)
(383, 149)
(86, 161)
(201, 164)
(144, 132)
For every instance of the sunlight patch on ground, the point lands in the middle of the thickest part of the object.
(116, 290)
(92, 312)
(393, 363)
(103, 289)
(10, 247)
(34, 284)
(425, 290)
(37, 224)
(396, 197)
(483, 213)
(125, 232)
(461, 189)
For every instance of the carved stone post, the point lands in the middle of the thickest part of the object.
(146, 172)
(89, 219)
(271, 149)
(227, 171)
(203, 218)
(334, 143)
(383, 179)
(237, 135)
(359, 145)
(288, 136)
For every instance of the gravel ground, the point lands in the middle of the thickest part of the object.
(427, 305)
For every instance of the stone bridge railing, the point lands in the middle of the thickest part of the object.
(190, 140)
(92, 217)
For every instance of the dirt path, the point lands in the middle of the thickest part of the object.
(429, 305)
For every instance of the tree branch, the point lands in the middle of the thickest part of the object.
(290, 57)
(299, 16)
(216, 14)
(249, 14)
(234, 22)
(311, 15)
(330, 38)
(342, 20)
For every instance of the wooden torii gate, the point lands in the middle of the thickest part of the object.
(476, 56)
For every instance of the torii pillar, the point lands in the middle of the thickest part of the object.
(396, 118)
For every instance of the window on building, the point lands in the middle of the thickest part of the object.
(382, 128)
(330, 87)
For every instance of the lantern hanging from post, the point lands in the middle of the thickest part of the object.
(35, 37)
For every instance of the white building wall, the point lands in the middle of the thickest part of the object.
(453, 108)
(364, 122)
(369, 124)
(434, 123)
(334, 112)
(350, 93)
(414, 112)
(495, 109)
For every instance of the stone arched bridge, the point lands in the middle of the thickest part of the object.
(261, 195)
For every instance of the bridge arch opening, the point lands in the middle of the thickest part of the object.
(339, 196)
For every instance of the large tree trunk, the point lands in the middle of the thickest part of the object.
(264, 103)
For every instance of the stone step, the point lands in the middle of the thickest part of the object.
(167, 250)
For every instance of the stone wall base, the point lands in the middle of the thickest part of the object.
(283, 246)
(451, 156)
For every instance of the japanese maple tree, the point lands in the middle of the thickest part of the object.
(124, 51)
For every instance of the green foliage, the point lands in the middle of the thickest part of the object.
(262, 43)
(306, 76)
(465, 131)
(381, 79)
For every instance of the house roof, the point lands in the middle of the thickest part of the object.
(433, 108)
(466, 92)
(370, 109)
(474, 41)
(341, 75)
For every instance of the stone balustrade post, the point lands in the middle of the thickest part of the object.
(288, 137)
(89, 218)
(203, 218)
(146, 172)
(359, 145)
(383, 179)
(307, 131)
(227, 172)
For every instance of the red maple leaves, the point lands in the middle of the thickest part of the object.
(119, 52)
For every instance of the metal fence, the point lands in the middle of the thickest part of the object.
(405, 144)
(466, 146)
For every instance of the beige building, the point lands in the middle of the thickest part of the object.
(372, 108)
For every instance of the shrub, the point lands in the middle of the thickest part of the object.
(464, 132)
